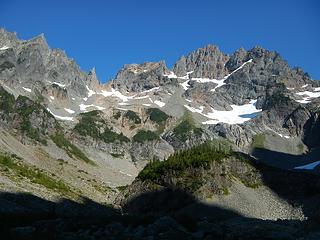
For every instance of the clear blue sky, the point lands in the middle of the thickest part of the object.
(107, 34)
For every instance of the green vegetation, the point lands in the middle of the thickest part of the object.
(6, 65)
(70, 149)
(156, 115)
(117, 155)
(300, 147)
(117, 115)
(91, 125)
(33, 174)
(122, 188)
(133, 116)
(186, 128)
(159, 117)
(145, 135)
(258, 141)
(6, 101)
(20, 60)
(25, 107)
(109, 136)
(196, 157)
(225, 190)
(277, 97)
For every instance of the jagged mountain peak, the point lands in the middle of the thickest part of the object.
(8, 39)
(206, 62)
(139, 77)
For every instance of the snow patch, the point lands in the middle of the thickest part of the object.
(4, 48)
(129, 175)
(123, 109)
(52, 97)
(170, 75)
(192, 109)
(123, 104)
(146, 104)
(117, 94)
(159, 103)
(304, 86)
(283, 136)
(69, 110)
(190, 101)
(309, 166)
(309, 95)
(59, 84)
(27, 89)
(143, 97)
(317, 89)
(238, 114)
(219, 82)
(151, 90)
(60, 117)
(185, 84)
(85, 99)
(84, 107)
(90, 92)
(99, 108)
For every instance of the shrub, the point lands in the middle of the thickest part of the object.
(156, 115)
(6, 101)
(24, 108)
(91, 124)
(145, 135)
(195, 157)
(133, 116)
(186, 129)
(117, 115)
(6, 65)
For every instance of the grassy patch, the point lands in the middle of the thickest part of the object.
(33, 174)
(71, 150)
(300, 147)
(133, 116)
(145, 135)
(122, 188)
(258, 141)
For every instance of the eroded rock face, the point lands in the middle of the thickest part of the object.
(207, 62)
(141, 77)
(33, 64)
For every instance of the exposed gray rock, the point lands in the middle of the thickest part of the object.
(207, 62)
(141, 77)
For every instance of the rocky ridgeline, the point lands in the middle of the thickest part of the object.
(208, 81)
